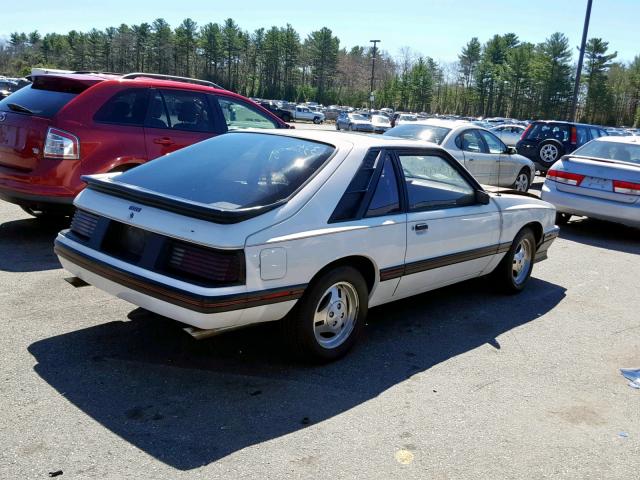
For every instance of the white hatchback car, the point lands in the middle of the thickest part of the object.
(312, 227)
(488, 159)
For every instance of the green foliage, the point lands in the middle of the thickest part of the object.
(502, 77)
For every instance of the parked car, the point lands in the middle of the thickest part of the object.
(599, 180)
(64, 126)
(510, 134)
(311, 227)
(488, 159)
(302, 113)
(381, 123)
(281, 113)
(355, 122)
(544, 142)
(405, 118)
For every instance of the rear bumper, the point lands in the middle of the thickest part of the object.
(601, 209)
(28, 189)
(211, 310)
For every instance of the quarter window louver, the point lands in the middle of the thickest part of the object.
(84, 223)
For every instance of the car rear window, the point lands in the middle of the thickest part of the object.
(45, 97)
(233, 171)
(429, 133)
(623, 152)
(541, 131)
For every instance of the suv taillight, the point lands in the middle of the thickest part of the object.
(574, 136)
(526, 131)
(568, 178)
(61, 144)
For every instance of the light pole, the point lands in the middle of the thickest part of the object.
(576, 87)
(373, 69)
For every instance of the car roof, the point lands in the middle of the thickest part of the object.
(567, 122)
(96, 77)
(446, 123)
(342, 139)
(629, 139)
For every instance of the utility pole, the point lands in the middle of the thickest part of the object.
(576, 88)
(373, 69)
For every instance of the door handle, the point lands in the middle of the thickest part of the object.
(420, 227)
(163, 141)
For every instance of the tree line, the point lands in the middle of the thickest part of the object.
(502, 77)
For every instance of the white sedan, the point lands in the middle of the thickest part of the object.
(488, 159)
(309, 227)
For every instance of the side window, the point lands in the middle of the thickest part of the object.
(582, 135)
(432, 183)
(386, 199)
(494, 143)
(469, 141)
(239, 115)
(157, 116)
(128, 107)
(188, 111)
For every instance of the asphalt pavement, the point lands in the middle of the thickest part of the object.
(459, 383)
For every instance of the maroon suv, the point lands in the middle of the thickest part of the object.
(64, 126)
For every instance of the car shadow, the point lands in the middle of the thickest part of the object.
(598, 233)
(27, 245)
(188, 403)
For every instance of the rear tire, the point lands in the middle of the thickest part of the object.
(523, 181)
(562, 218)
(327, 320)
(46, 215)
(514, 270)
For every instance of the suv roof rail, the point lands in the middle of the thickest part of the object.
(159, 76)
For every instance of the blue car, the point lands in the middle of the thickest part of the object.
(544, 142)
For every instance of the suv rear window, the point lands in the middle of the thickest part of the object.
(541, 131)
(45, 97)
(233, 171)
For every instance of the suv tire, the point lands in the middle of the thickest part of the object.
(549, 152)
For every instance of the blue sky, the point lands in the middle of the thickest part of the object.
(438, 28)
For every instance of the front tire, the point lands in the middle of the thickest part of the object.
(514, 271)
(327, 320)
(316, 120)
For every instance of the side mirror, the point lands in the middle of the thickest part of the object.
(511, 151)
(482, 197)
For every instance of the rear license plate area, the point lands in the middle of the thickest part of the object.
(125, 241)
(597, 183)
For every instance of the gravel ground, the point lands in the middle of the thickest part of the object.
(460, 383)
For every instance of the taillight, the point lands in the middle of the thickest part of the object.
(526, 131)
(628, 188)
(61, 144)
(574, 136)
(561, 176)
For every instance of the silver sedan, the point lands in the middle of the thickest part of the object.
(486, 157)
(601, 180)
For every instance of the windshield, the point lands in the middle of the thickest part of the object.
(623, 152)
(233, 171)
(408, 118)
(429, 133)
